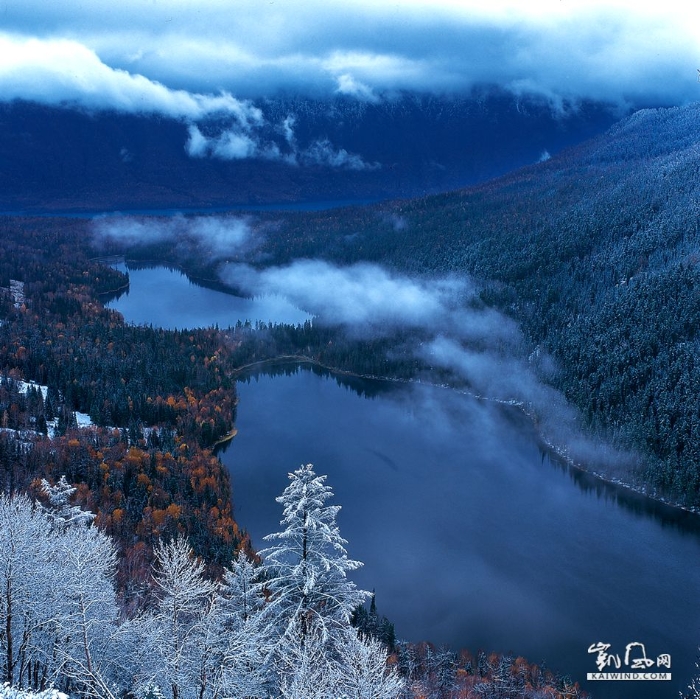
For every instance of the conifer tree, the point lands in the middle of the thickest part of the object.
(60, 510)
(307, 566)
(242, 645)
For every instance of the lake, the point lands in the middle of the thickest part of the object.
(470, 534)
(166, 298)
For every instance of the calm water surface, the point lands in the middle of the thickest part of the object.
(470, 535)
(168, 299)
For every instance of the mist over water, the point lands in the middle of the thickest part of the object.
(469, 534)
(476, 345)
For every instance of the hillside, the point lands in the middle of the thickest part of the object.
(309, 150)
(595, 253)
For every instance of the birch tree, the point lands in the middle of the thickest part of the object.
(90, 637)
(173, 636)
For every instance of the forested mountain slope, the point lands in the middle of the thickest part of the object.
(318, 149)
(595, 252)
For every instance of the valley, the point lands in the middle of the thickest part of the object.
(589, 328)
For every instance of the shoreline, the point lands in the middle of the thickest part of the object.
(554, 450)
(225, 439)
(560, 452)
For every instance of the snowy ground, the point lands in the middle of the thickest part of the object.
(82, 419)
(7, 692)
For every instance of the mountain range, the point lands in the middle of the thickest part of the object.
(302, 149)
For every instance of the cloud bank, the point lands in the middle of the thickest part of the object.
(371, 300)
(474, 344)
(65, 72)
(189, 58)
(213, 236)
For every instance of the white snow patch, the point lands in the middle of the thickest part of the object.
(7, 692)
(23, 387)
(17, 292)
(83, 420)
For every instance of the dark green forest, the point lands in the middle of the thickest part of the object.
(594, 253)
(159, 402)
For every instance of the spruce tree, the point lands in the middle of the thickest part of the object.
(307, 566)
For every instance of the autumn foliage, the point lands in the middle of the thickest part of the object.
(160, 401)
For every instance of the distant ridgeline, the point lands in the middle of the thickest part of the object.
(595, 252)
(58, 159)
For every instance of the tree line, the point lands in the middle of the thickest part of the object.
(279, 625)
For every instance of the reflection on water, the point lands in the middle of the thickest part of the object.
(469, 536)
(685, 523)
(168, 299)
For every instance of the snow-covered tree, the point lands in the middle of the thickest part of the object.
(693, 691)
(87, 619)
(307, 670)
(241, 592)
(57, 602)
(60, 509)
(28, 575)
(174, 638)
(307, 566)
(343, 667)
(246, 643)
(280, 630)
(7, 692)
(362, 669)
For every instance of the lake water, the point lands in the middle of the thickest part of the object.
(167, 298)
(470, 534)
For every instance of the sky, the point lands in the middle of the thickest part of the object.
(196, 58)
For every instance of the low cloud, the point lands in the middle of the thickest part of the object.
(347, 85)
(237, 144)
(212, 236)
(397, 222)
(365, 298)
(474, 345)
(287, 129)
(370, 300)
(497, 374)
(227, 145)
(322, 152)
(505, 375)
